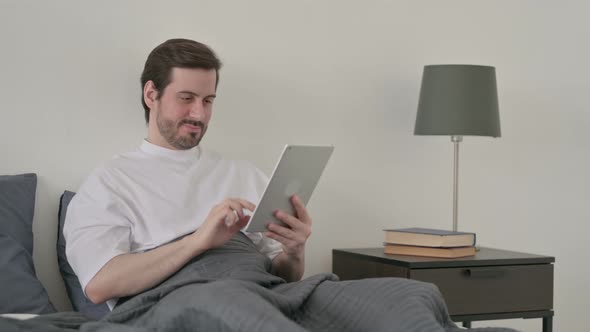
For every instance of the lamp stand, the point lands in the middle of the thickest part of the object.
(456, 139)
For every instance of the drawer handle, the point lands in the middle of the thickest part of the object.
(484, 273)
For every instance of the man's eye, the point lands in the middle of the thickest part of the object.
(186, 98)
(209, 101)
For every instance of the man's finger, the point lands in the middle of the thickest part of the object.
(302, 213)
(239, 224)
(283, 231)
(283, 240)
(231, 217)
(237, 207)
(288, 219)
(246, 204)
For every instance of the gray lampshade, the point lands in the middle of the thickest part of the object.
(458, 100)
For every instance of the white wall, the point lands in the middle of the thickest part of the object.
(339, 72)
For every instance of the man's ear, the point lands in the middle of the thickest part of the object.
(150, 94)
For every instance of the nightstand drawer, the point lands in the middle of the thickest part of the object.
(349, 267)
(492, 289)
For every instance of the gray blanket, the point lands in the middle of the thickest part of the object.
(232, 288)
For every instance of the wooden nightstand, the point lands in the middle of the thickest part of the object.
(493, 284)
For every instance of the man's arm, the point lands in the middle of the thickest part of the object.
(130, 274)
(290, 264)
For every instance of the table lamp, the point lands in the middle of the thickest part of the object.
(458, 100)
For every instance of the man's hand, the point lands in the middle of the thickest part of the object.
(224, 221)
(293, 237)
(290, 263)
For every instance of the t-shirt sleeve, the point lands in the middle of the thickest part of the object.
(266, 245)
(96, 228)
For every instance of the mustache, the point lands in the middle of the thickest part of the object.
(192, 123)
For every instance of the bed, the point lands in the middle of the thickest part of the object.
(231, 288)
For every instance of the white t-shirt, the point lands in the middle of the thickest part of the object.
(143, 199)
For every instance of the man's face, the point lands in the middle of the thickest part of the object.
(179, 118)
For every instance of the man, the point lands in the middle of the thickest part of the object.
(122, 226)
(160, 227)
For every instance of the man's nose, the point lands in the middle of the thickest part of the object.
(197, 109)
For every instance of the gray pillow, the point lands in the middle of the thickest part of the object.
(73, 287)
(21, 291)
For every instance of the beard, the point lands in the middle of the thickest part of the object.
(169, 130)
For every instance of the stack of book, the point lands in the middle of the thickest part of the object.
(429, 242)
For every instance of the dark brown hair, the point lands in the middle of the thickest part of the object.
(175, 53)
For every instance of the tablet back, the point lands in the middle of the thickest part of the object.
(297, 172)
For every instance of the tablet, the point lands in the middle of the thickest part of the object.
(297, 172)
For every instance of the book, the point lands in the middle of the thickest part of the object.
(426, 237)
(396, 249)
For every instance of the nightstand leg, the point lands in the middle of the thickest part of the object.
(548, 324)
(467, 324)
